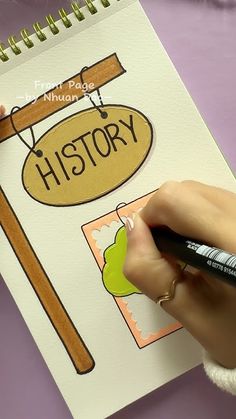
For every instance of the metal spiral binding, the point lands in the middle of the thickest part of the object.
(25, 35)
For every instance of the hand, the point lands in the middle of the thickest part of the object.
(204, 305)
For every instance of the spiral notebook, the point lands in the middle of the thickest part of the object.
(97, 119)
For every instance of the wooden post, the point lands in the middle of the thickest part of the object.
(98, 74)
(41, 284)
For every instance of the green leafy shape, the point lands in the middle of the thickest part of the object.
(113, 278)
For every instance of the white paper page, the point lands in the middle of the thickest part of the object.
(182, 148)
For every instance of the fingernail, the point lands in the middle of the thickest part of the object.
(129, 224)
(2, 110)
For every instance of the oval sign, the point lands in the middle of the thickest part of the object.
(87, 155)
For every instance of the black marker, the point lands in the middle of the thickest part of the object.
(212, 260)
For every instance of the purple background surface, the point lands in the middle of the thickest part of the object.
(200, 37)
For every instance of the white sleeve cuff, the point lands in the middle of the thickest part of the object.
(224, 378)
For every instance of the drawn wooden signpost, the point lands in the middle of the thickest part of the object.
(97, 75)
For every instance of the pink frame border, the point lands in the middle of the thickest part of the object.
(97, 224)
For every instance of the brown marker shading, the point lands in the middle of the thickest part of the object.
(98, 74)
(41, 284)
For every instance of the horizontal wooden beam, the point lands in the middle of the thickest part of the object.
(69, 92)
